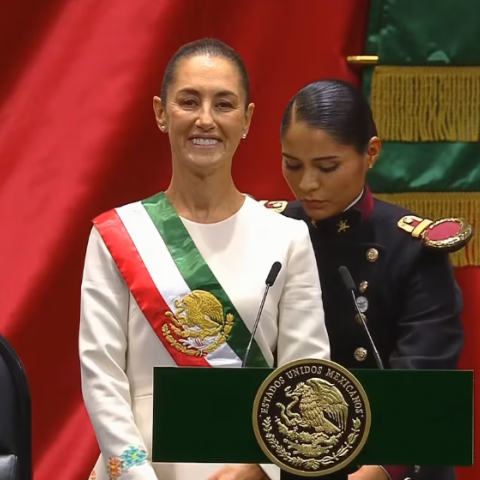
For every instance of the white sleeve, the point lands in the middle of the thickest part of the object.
(302, 330)
(103, 345)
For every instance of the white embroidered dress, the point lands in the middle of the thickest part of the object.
(119, 348)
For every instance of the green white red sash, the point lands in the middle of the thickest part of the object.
(174, 287)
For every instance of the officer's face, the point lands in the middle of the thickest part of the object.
(325, 176)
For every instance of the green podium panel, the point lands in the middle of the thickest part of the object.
(204, 415)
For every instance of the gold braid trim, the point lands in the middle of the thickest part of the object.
(435, 206)
(427, 104)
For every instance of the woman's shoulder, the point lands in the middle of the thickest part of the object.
(272, 214)
(288, 209)
(387, 216)
(389, 211)
(443, 235)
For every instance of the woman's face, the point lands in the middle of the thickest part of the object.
(204, 113)
(324, 175)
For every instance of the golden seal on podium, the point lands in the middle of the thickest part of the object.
(311, 417)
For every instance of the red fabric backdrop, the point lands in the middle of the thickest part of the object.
(77, 137)
(469, 281)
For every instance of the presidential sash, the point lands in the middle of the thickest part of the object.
(174, 287)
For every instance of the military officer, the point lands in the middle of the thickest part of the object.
(404, 282)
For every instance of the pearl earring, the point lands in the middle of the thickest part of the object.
(162, 128)
(244, 136)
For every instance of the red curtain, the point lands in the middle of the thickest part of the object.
(469, 282)
(77, 137)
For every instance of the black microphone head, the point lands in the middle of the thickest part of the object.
(346, 278)
(272, 275)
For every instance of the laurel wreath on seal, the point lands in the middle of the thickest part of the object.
(310, 463)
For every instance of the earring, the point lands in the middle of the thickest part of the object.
(244, 136)
(163, 128)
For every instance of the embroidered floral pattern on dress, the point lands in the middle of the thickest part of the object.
(93, 475)
(133, 456)
(114, 468)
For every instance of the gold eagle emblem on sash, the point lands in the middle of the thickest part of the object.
(199, 325)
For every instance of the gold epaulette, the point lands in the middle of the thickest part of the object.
(276, 205)
(446, 234)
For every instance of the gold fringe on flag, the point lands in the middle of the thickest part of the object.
(426, 104)
(436, 206)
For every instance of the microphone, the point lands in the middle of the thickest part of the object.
(350, 286)
(271, 277)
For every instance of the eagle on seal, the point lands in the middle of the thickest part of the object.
(315, 398)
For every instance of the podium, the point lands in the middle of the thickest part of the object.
(417, 417)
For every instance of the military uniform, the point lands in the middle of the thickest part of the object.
(407, 293)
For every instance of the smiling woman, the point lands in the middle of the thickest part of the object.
(177, 279)
(204, 108)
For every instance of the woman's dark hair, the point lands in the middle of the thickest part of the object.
(208, 47)
(336, 107)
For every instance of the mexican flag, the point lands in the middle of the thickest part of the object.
(423, 81)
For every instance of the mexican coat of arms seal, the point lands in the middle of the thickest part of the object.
(311, 417)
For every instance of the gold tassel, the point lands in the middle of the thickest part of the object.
(427, 104)
(435, 206)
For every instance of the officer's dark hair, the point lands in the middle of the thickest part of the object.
(207, 47)
(335, 106)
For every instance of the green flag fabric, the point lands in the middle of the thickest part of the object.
(425, 97)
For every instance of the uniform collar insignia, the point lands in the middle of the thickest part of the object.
(342, 226)
(349, 219)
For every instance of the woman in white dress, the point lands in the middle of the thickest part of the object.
(201, 244)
